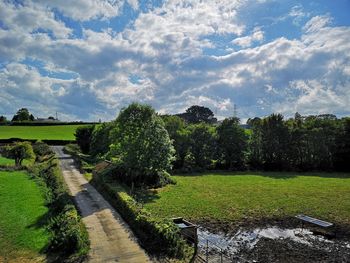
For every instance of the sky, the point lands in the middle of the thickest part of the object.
(88, 59)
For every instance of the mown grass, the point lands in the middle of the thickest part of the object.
(6, 161)
(55, 132)
(23, 210)
(238, 196)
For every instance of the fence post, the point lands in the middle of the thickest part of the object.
(221, 259)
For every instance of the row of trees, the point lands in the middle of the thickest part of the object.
(144, 143)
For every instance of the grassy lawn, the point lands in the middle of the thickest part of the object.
(59, 132)
(5, 161)
(22, 207)
(234, 196)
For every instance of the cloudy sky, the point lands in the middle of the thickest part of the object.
(88, 59)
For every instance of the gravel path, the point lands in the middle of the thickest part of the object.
(110, 237)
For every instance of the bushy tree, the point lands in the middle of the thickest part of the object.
(197, 114)
(100, 139)
(83, 137)
(141, 144)
(23, 115)
(178, 133)
(3, 119)
(19, 151)
(255, 143)
(232, 142)
(202, 143)
(274, 142)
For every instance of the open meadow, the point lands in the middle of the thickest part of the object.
(22, 207)
(53, 132)
(238, 196)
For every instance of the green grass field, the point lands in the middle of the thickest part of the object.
(22, 207)
(55, 132)
(234, 196)
(5, 161)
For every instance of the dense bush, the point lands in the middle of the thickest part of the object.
(19, 151)
(100, 139)
(161, 237)
(69, 236)
(83, 137)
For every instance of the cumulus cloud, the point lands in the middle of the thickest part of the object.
(164, 49)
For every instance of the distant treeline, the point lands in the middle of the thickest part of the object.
(302, 143)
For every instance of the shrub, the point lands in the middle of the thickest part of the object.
(83, 137)
(19, 151)
(160, 237)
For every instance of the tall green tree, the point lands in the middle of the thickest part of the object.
(232, 142)
(202, 141)
(255, 143)
(141, 144)
(274, 142)
(197, 114)
(23, 115)
(178, 133)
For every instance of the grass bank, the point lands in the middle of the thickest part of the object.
(238, 196)
(22, 207)
(58, 132)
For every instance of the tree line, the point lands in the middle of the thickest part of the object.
(144, 142)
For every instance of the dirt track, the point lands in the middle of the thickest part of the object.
(110, 237)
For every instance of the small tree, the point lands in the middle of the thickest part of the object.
(19, 151)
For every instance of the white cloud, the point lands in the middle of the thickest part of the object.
(256, 36)
(316, 23)
(86, 9)
(29, 17)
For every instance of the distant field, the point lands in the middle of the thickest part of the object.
(59, 132)
(22, 206)
(235, 196)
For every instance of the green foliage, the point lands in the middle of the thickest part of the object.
(41, 150)
(140, 144)
(197, 114)
(160, 237)
(69, 234)
(232, 142)
(178, 133)
(202, 142)
(100, 139)
(23, 115)
(83, 137)
(19, 151)
(342, 151)
(3, 119)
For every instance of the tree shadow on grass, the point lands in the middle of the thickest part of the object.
(274, 174)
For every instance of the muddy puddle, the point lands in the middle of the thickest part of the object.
(272, 244)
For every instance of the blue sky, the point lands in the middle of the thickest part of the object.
(89, 59)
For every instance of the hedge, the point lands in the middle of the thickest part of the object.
(69, 235)
(160, 237)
